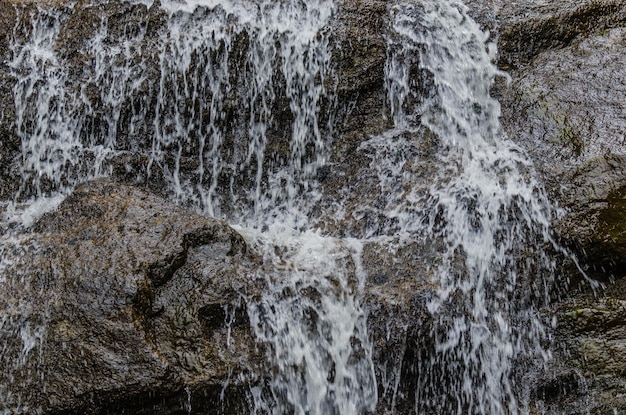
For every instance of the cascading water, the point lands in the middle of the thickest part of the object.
(311, 317)
(229, 106)
(485, 211)
(316, 327)
(72, 133)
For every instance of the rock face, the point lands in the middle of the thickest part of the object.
(565, 105)
(123, 288)
(587, 373)
(120, 302)
(356, 78)
(529, 28)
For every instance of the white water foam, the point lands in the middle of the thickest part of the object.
(314, 324)
(486, 210)
(483, 209)
(310, 315)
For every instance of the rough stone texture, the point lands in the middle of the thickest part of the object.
(360, 52)
(121, 302)
(120, 287)
(528, 28)
(9, 142)
(587, 375)
(135, 291)
(566, 106)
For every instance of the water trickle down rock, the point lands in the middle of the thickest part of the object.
(391, 196)
(565, 106)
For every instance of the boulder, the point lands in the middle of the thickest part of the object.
(120, 301)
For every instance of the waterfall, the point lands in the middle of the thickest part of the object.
(310, 317)
(485, 210)
(74, 132)
(316, 327)
(229, 108)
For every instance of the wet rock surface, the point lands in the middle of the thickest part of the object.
(569, 114)
(121, 302)
(528, 28)
(565, 106)
(587, 374)
(133, 304)
(144, 302)
(9, 141)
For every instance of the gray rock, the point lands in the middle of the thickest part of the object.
(566, 108)
(119, 301)
(9, 141)
(529, 28)
(588, 372)
(123, 301)
(565, 105)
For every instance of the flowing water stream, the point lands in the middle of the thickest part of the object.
(488, 212)
(208, 118)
